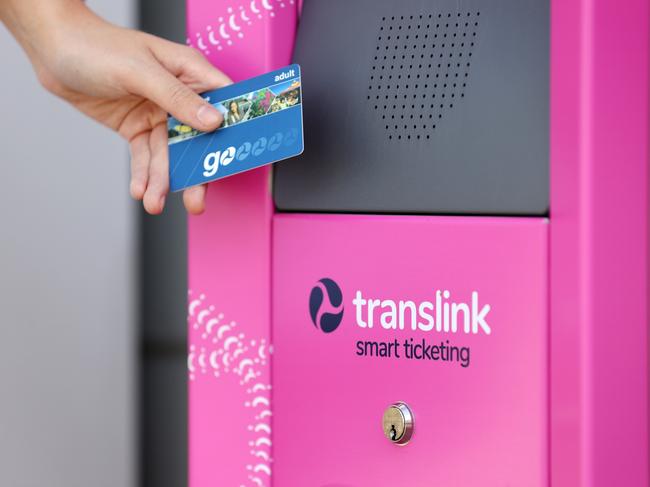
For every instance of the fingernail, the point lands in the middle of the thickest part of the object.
(162, 202)
(208, 115)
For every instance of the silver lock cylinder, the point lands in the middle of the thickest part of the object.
(397, 423)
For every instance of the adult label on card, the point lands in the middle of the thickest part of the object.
(262, 125)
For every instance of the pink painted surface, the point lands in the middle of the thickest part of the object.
(599, 376)
(481, 425)
(229, 267)
(243, 38)
(599, 244)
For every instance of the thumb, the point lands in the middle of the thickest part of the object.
(178, 99)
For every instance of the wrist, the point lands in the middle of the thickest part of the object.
(35, 23)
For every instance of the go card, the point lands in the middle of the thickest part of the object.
(262, 125)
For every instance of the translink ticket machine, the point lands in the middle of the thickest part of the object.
(449, 287)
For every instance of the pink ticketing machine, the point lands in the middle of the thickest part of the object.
(449, 287)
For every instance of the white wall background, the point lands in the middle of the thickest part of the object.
(67, 288)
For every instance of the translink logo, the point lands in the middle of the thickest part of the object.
(442, 314)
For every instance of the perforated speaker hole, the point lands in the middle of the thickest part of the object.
(420, 70)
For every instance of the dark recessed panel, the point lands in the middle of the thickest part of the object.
(418, 106)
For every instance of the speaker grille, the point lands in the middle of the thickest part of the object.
(420, 70)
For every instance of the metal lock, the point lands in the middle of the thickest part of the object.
(398, 423)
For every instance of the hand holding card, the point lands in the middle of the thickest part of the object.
(262, 125)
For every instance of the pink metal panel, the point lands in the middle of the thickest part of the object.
(599, 178)
(229, 267)
(485, 424)
(599, 148)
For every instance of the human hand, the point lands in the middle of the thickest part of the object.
(124, 79)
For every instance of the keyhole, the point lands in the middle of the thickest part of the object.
(393, 432)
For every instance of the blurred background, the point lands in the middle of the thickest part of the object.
(92, 293)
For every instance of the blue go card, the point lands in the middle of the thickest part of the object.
(262, 124)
